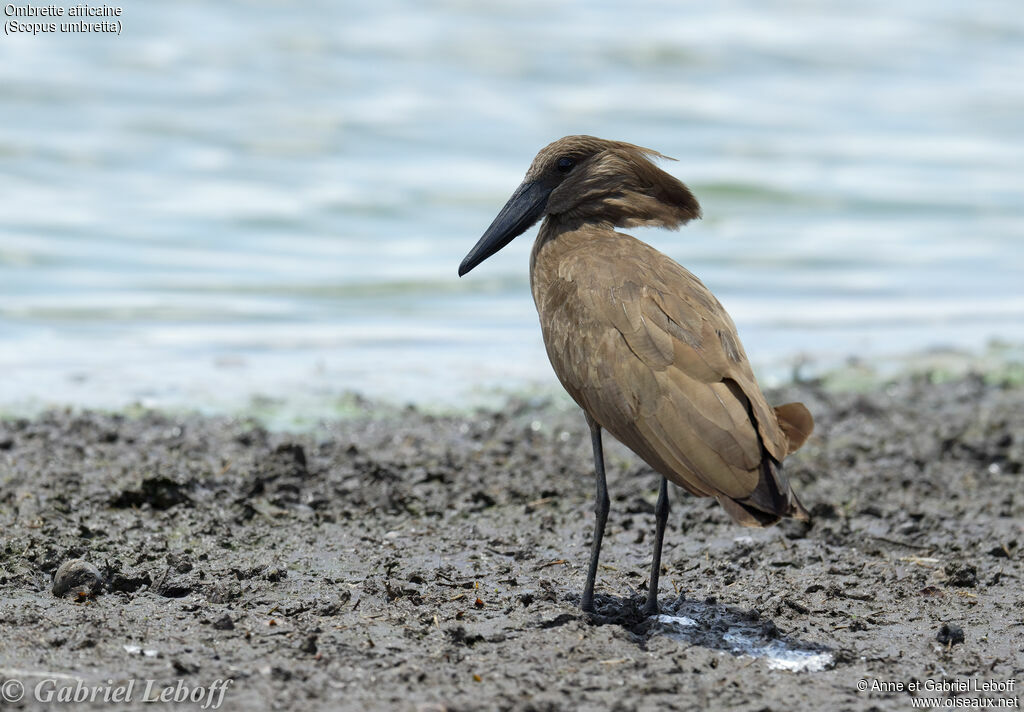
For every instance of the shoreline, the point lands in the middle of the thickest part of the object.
(996, 361)
(437, 559)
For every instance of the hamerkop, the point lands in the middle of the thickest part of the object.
(640, 343)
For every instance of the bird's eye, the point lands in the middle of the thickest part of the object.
(565, 164)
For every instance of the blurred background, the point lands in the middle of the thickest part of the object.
(266, 202)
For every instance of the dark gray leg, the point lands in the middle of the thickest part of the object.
(601, 507)
(661, 516)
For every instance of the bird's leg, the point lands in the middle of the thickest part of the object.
(661, 516)
(601, 507)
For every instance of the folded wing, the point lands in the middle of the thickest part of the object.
(644, 347)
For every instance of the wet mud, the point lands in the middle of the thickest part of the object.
(415, 561)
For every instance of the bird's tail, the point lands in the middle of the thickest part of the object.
(770, 501)
(796, 422)
(773, 498)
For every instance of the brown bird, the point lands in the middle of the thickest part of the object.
(640, 343)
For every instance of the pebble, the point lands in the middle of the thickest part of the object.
(950, 634)
(77, 577)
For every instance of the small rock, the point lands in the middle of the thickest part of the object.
(160, 493)
(824, 510)
(962, 575)
(1005, 551)
(122, 583)
(950, 634)
(77, 577)
(276, 574)
(175, 588)
(222, 592)
(179, 563)
(184, 667)
(293, 451)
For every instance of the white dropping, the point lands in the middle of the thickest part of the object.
(778, 654)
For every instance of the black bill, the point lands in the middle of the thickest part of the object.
(523, 209)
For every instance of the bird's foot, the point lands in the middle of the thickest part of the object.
(650, 608)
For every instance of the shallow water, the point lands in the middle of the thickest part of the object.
(747, 640)
(235, 199)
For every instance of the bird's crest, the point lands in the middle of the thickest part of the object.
(611, 182)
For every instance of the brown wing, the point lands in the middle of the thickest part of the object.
(643, 346)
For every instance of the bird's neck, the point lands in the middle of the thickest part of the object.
(559, 235)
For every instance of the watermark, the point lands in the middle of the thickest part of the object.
(66, 689)
(82, 18)
(949, 693)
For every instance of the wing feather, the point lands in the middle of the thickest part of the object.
(650, 353)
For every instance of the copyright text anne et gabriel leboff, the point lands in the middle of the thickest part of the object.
(207, 697)
(968, 692)
(970, 684)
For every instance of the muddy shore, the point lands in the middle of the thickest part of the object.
(416, 561)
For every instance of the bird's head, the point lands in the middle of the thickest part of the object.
(588, 179)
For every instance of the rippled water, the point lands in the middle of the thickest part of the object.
(235, 198)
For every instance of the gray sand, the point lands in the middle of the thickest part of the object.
(418, 561)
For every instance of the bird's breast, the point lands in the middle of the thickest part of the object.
(551, 248)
